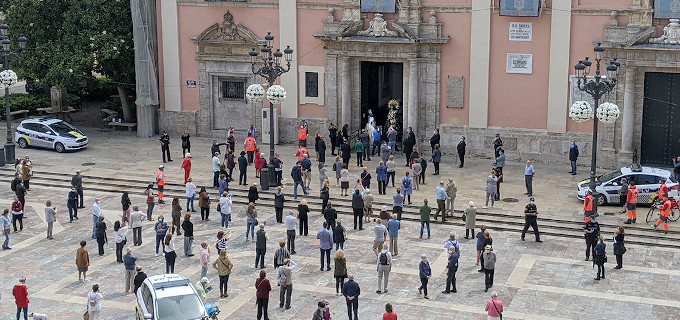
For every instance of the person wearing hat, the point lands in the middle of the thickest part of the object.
(592, 233)
(202, 288)
(77, 182)
(384, 215)
(425, 273)
(160, 181)
(242, 168)
(139, 278)
(489, 266)
(165, 145)
(20, 293)
(530, 215)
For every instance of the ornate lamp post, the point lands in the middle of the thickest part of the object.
(269, 66)
(7, 79)
(606, 112)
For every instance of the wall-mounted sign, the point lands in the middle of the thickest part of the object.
(520, 31)
(191, 83)
(520, 63)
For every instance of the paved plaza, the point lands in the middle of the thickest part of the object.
(546, 280)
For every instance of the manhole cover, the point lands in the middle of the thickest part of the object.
(88, 164)
(510, 200)
(609, 213)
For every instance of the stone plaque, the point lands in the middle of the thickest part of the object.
(454, 92)
(520, 31)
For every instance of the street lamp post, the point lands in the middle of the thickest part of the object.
(597, 87)
(8, 79)
(270, 67)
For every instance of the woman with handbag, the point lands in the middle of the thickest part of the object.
(5, 225)
(204, 204)
(149, 201)
(223, 266)
(262, 288)
(121, 239)
(619, 248)
(251, 221)
(599, 258)
(494, 307)
(389, 313)
(186, 143)
(340, 271)
(125, 202)
(176, 214)
(94, 303)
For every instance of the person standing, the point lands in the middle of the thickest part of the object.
(391, 169)
(169, 251)
(491, 187)
(201, 288)
(324, 194)
(409, 142)
(136, 223)
(417, 172)
(599, 258)
(380, 234)
(425, 273)
(253, 194)
(186, 165)
(500, 161)
(82, 261)
(50, 218)
(623, 194)
(318, 314)
(392, 139)
(261, 237)
(489, 266)
(385, 151)
(27, 173)
(129, 261)
(631, 202)
(139, 278)
(366, 145)
(592, 233)
(486, 241)
(351, 292)
(376, 140)
(368, 205)
(176, 214)
(4, 222)
(262, 289)
(530, 215)
(460, 148)
(161, 228)
(302, 136)
(71, 203)
(365, 177)
(497, 144)
(359, 149)
(204, 204)
(441, 201)
(619, 248)
(499, 180)
(77, 182)
(291, 229)
(470, 220)
(186, 143)
(251, 221)
(279, 199)
(452, 242)
(231, 164)
(21, 194)
(494, 307)
(296, 174)
(434, 140)
(436, 159)
(344, 179)
(20, 293)
(358, 209)
(425, 211)
(188, 228)
(94, 303)
(381, 177)
(397, 203)
(285, 279)
(216, 169)
(529, 173)
(306, 166)
(165, 145)
(340, 271)
(120, 233)
(322, 149)
(325, 245)
(337, 167)
(101, 234)
(393, 227)
(149, 201)
(451, 268)
(160, 181)
(573, 155)
(281, 254)
(407, 186)
(333, 135)
(250, 145)
(339, 236)
(423, 164)
(676, 168)
(345, 152)
(384, 267)
(242, 169)
(588, 204)
(205, 258)
(225, 209)
(224, 266)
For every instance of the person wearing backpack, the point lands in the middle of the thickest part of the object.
(384, 268)
(94, 303)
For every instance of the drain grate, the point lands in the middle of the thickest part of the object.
(88, 164)
(510, 200)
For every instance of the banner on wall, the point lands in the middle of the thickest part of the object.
(520, 8)
(666, 9)
(378, 6)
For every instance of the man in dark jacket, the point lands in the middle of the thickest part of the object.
(345, 152)
(451, 269)
(461, 151)
(77, 182)
(497, 144)
(592, 233)
(351, 291)
(358, 209)
(242, 168)
(530, 215)
(330, 215)
(435, 138)
(322, 149)
(573, 155)
(296, 174)
(278, 168)
(165, 145)
(216, 147)
(409, 142)
(365, 140)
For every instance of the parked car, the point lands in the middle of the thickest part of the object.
(49, 133)
(647, 180)
(169, 297)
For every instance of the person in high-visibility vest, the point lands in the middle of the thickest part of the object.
(588, 204)
(160, 181)
(302, 136)
(631, 202)
(663, 217)
(663, 191)
(300, 154)
(250, 144)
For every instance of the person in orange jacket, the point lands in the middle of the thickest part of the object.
(663, 191)
(160, 181)
(631, 202)
(663, 217)
(588, 204)
(300, 154)
(302, 136)
(186, 165)
(251, 145)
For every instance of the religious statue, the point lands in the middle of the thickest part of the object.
(392, 114)
(378, 28)
(671, 33)
(370, 125)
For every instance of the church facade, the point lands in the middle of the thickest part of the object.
(471, 68)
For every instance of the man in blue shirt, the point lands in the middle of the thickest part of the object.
(441, 201)
(529, 173)
(351, 291)
(325, 244)
(129, 261)
(393, 227)
(376, 141)
(500, 160)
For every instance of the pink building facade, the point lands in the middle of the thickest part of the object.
(456, 65)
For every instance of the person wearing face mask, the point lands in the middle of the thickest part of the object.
(530, 215)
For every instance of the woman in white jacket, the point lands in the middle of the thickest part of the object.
(94, 303)
(225, 208)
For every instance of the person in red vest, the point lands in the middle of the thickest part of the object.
(250, 144)
(186, 165)
(663, 191)
(663, 217)
(160, 181)
(631, 202)
(20, 294)
(588, 204)
(302, 136)
(300, 154)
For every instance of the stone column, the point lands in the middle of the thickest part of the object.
(412, 105)
(346, 92)
(480, 49)
(288, 37)
(172, 87)
(628, 122)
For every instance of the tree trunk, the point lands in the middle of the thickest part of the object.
(125, 104)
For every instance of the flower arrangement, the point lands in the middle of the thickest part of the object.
(8, 78)
(608, 112)
(255, 93)
(276, 94)
(581, 111)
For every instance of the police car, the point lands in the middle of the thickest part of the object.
(647, 180)
(49, 133)
(169, 296)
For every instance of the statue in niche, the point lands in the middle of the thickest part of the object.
(671, 33)
(227, 29)
(378, 28)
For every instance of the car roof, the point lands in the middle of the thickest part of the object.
(46, 120)
(646, 170)
(165, 285)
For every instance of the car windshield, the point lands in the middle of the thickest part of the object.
(611, 175)
(62, 127)
(182, 307)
